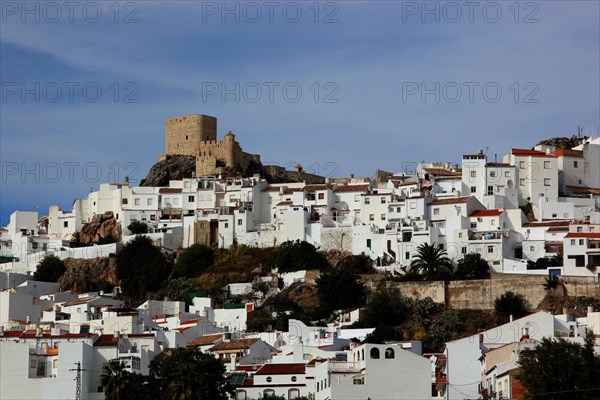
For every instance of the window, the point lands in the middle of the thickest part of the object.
(407, 255)
(367, 200)
(268, 392)
(579, 229)
(546, 164)
(473, 174)
(398, 209)
(374, 353)
(473, 224)
(493, 222)
(572, 242)
(575, 164)
(124, 201)
(490, 249)
(358, 381)
(389, 353)
(383, 217)
(436, 211)
(522, 181)
(383, 200)
(152, 217)
(136, 202)
(490, 190)
(293, 394)
(191, 199)
(492, 174)
(554, 215)
(66, 224)
(413, 205)
(294, 379)
(321, 196)
(149, 201)
(463, 250)
(226, 225)
(473, 189)
(522, 164)
(547, 181)
(531, 248)
(239, 222)
(460, 235)
(269, 379)
(371, 217)
(507, 174)
(240, 395)
(581, 242)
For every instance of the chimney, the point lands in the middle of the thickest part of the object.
(565, 310)
(28, 319)
(38, 331)
(590, 309)
(480, 152)
(116, 335)
(511, 318)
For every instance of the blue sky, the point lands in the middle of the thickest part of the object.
(361, 76)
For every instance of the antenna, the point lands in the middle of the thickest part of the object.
(78, 380)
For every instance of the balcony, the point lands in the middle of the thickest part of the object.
(344, 366)
(489, 235)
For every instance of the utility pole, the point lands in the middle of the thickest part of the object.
(78, 380)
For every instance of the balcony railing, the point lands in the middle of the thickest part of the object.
(343, 366)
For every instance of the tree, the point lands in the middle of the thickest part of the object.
(472, 266)
(193, 261)
(50, 269)
(554, 282)
(360, 264)
(113, 380)
(511, 304)
(444, 327)
(339, 289)
(299, 255)
(385, 306)
(137, 227)
(141, 267)
(561, 370)
(432, 262)
(189, 374)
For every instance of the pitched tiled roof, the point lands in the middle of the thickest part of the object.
(352, 188)
(169, 190)
(584, 190)
(530, 153)
(285, 203)
(589, 235)
(234, 345)
(314, 188)
(106, 340)
(568, 153)
(398, 183)
(558, 228)
(441, 171)
(81, 300)
(450, 200)
(282, 369)
(205, 340)
(486, 213)
(543, 224)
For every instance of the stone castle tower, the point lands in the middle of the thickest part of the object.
(196, 135)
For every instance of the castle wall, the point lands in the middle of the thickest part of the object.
(184, 135)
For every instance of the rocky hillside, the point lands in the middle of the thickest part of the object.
(178, 167)
(563, 142)
(103, 228)
(81, 275)
(173, 168)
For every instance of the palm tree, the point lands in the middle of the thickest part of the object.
(113, 378)
(432, 262)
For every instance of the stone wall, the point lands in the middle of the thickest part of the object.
(480, 294)
(184, 135)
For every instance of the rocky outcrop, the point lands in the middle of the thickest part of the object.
(172, 168)
(176, 167)
(564, 142)
(103, 228)
(81, 275)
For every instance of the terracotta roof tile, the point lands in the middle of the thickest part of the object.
(352, 188)
(205, 340)
(450, 200)
(584, 190)
(486, 213)
(233, 345)
(282, 369)
(314, 188)
(568, 153)
(441, 171)
(589, 235)
(544, 224)
(169, 190)
(530, 153)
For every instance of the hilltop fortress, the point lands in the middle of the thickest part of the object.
(196, 135)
